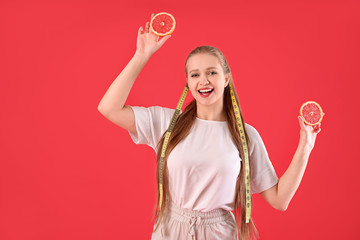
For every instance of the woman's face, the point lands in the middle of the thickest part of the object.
(205, 73)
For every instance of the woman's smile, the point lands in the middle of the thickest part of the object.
(205, 92)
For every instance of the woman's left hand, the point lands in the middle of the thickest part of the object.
(308, 133)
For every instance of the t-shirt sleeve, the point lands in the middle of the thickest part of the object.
(263, 174)
(151, 123)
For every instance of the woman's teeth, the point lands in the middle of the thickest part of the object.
(205, 91)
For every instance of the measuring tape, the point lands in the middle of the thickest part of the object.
(243, 140)
(246, 153)
(167, 135)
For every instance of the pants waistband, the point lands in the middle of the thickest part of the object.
(195, 218)
(203, 218)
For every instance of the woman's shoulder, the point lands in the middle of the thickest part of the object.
(254, 135)
(155, 109)
(158, 114)
(251, 130)
(256, 141)
(163, 110)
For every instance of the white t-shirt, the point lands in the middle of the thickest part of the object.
(204, 166)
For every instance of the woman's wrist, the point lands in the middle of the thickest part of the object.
(142, 54)
(305, 146)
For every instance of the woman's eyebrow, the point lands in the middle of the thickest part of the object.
(198, 69)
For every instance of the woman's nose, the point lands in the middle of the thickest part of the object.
(204, 80)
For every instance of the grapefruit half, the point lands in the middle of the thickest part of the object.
(312, 113)
(162, 24)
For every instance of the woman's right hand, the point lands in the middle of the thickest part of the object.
(147, 41)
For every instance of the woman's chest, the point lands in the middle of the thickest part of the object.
(206, 150)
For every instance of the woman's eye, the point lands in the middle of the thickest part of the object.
(211, 73)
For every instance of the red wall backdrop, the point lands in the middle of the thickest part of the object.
(66, 172)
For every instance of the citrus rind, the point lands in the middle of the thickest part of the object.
(163, 34)
(321, 113)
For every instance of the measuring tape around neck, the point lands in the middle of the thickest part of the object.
(243, 141)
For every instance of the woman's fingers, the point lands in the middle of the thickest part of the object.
(317, 128)
(140, 30)
(147, 27)
(148, 23)
(301, 120)
(146, 30)
(164, 39)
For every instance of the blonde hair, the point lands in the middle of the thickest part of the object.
(181, 129)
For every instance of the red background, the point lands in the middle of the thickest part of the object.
(68, 173)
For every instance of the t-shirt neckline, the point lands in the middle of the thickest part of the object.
(210, 121)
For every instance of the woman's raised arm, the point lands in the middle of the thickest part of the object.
(112, 105)
(280, 195)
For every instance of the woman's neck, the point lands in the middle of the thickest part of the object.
(212, 113)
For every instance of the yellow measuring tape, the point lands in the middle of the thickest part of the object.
(167, 135)
(243, 140)
(246, 153)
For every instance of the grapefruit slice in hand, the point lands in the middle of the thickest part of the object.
(312, 113)
(162, 24)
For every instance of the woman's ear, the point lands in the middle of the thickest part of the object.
(227, 80)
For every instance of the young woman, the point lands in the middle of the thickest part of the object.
(200, 162)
